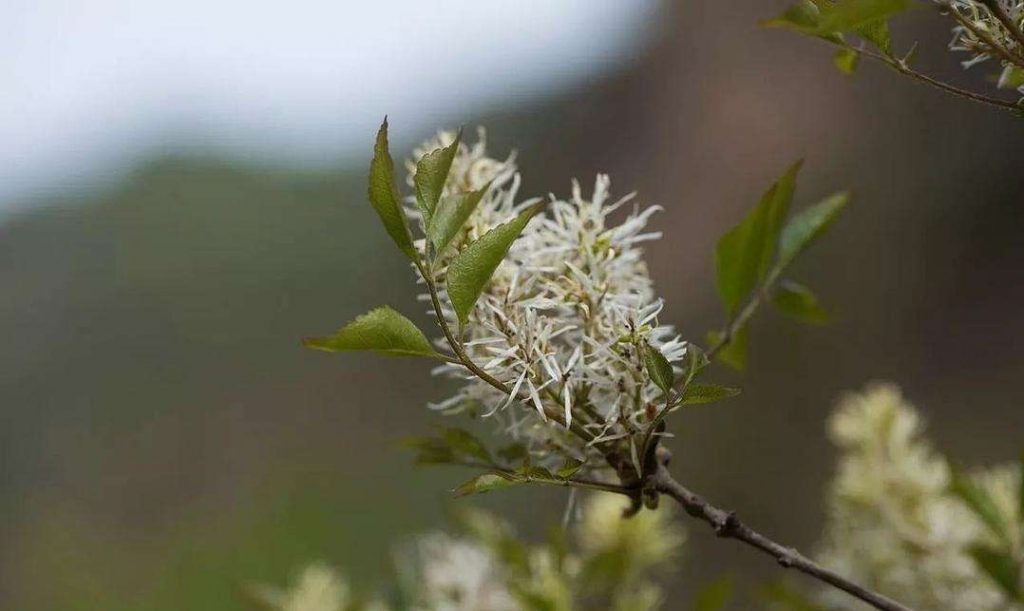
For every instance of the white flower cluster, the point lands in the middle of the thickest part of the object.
(893, 524)
(564, 315)
(487, 569)
(984, 25)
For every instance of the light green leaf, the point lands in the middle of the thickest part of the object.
(487, 482)
(854, 15)
(570, 468)
(799, 302)
(472, 268)
(734, 354)
(981, 503)
(384, 196)
(451, 214)
(658, 367)
(803, 17)
(1002, 567)
(382, 330)
(696, 360)
(698, 394)
(744, 253)
(877, 33)
(1011, 78)
(431, 174)
(807, 225)
(714, 596)
(846, 60)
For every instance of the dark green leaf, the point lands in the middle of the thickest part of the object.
(431, 451)
(854, 15)
(1002, 567)
(529, 471)
(431, 174)
(382, 330)
(487, 482)
(384, 196)
(697, 394)
(981, 503)
(714, 596)
(513, 452)
(744, 253)
(471, 270)
(846, 60)
(451, 214)
(695, 361)
(799, 302)
(807, 225)
(464, 443)
(658, 368)
(734, 354)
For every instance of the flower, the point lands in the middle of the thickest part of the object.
(984, 28)
(894, 525)
(564, 317)
(457, 574)
(317, 588)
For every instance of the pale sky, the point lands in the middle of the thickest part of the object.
(92, 85)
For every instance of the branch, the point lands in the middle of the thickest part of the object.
(997, 11)
(727, 525)
(737, 323)
(993, 46)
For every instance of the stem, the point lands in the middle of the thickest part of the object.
(903, 68)
(565, 483)
(727, 525)
(993, 46)
(744, 315)
(997, 11)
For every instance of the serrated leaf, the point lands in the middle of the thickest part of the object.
(1002, 567)
(384, 195)
(846, 61)
(715, 596)
(431, 173)
(744, 253)
(981, 503)
(451, 214)
(485, 483)
(382, 330)
(808, 225)
(465, 443)
(471, 270)
(800, 302)
(854, 15)
(570, 468)
(698, 394)
(658, 368)
(733, 354)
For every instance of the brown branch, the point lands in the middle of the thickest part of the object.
(727, 525)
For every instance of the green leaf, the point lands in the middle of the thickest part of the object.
(570, 468)
(382, 330)
(803, 17)
(715, 596)
(1012, 78)
(734, 354)
(658, 367)
(808, 225)
(512, 452)
(854, 15)
(981, 503)
(1002, 567)
(384, 196)
(697, 394)
(431, 173)
(487, 482)
(431, 451)
(451, 214)
(744, 253)
(471, 270)
(877, 33)
(800, 302)
(1020, 490)
(694, 362)
(846, 60)
(465, 443)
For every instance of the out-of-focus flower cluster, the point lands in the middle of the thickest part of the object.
(983, 31)
(564, 316)
(487, 568)
(894, 525)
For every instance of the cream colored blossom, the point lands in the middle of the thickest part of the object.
(317, 588)
(893, 524)
(562, 317)
(985, 25)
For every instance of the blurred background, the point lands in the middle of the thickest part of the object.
(182, 197)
